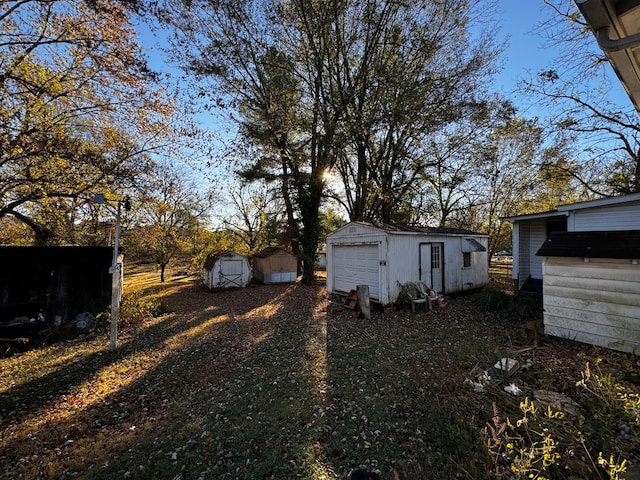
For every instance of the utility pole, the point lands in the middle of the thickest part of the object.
(116, 275)
(115, 270)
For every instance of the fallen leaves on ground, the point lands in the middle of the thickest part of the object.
(270, 381)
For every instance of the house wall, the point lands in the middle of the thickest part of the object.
(596, 302)
(614, 217)
(531, 235)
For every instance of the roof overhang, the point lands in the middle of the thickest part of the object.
(616, 25)
(534, 216)
(472, 245)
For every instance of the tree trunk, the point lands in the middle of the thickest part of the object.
(310, 236)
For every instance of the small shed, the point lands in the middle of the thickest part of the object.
(321, 258)
(275, 265)
(226, 270)
(382, 256)
(591, 285)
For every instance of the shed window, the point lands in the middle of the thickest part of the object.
(435, 256)
(466, 260)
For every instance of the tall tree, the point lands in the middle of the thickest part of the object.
(404, 72)
(359, 80)
(271, 119)
(76, 109)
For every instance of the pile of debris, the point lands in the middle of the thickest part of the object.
(504, 372)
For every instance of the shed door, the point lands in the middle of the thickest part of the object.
(231, 272)
(355, 265)
(431, 265)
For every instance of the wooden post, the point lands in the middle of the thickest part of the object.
(363, 300)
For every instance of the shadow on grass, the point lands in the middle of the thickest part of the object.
(204, 396)
(271, 387)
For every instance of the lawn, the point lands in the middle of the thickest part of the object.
(281, 382)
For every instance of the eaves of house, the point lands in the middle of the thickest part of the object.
(566, 209)
(616, 25)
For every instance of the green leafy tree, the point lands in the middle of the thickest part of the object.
(403, 72)
(345, 85)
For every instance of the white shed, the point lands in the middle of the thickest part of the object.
(383, 257)
(226, 270)
(591, 284)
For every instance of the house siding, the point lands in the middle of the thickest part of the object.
(613, 217)
(538, 234)
(595, 302)
(531, 236)
(524, 255)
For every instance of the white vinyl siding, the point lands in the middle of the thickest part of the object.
(609, 218)
(538, 234)
(596, 302)
(531, 237)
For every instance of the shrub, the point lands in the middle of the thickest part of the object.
(493, 300)
(134, 311)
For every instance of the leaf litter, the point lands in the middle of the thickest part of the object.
(272, 381)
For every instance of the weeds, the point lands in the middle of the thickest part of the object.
(545, 444)
(270, 382)
(614, 400)
(494, 300)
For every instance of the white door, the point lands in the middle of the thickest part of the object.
(355, 265)
(231, 273)
(425, 263)
(431, 265)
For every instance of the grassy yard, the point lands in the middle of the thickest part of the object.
(279, 382)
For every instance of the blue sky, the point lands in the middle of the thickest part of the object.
(528, 52)
(525, 53)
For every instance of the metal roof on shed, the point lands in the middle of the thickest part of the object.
(211, 260)
(614, 244)
(419, 229)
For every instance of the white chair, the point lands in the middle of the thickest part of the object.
(426, 295)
